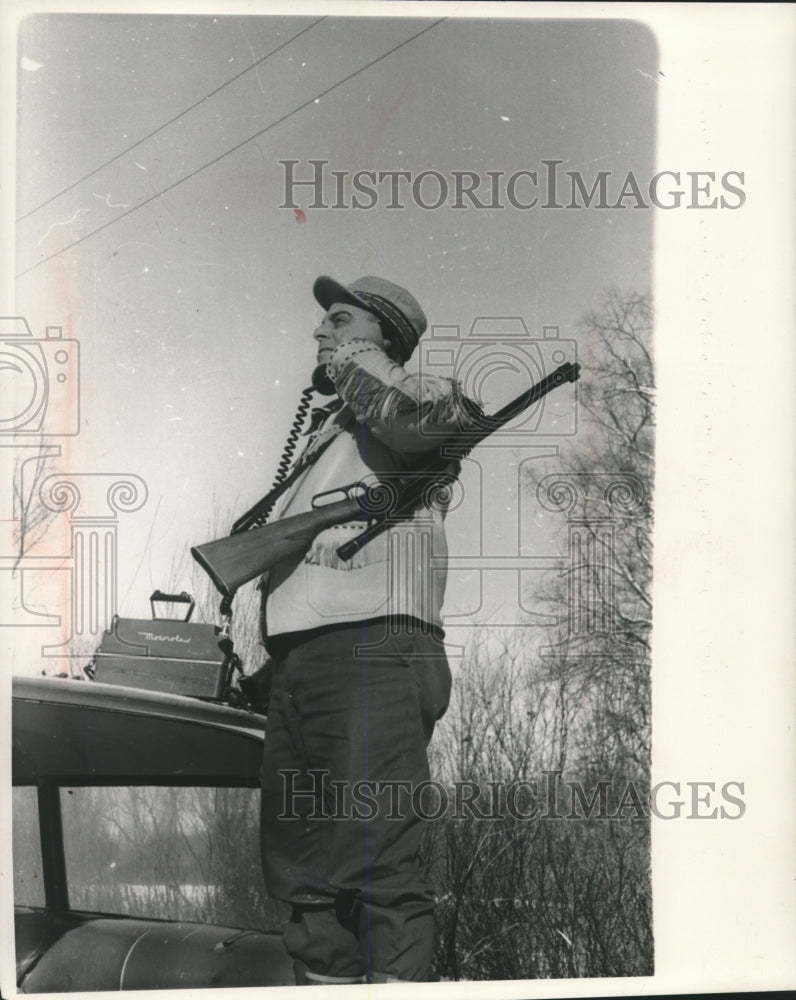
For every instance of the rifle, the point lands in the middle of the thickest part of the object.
(238, 558)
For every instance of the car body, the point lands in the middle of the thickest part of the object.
(136, 853)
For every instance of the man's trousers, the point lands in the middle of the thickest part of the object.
(344, 769)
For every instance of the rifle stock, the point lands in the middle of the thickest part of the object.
(237, 559)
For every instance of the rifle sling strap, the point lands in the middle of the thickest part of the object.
(258, 514)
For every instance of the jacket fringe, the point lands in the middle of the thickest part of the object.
(323, 551)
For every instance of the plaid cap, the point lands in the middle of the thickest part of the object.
(391, 303)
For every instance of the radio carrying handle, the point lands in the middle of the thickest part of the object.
(159, 596)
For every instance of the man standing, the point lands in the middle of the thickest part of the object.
(360, 673)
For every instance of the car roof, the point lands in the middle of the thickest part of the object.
(82, 732)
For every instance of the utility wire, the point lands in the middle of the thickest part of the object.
(239, 145)
(171, 121)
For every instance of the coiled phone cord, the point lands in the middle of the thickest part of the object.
(292, 438)
(258, 515)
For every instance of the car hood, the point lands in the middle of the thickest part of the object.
(120, 953)
(81, 732)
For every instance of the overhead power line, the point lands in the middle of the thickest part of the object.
(233, 149)
(171, 121)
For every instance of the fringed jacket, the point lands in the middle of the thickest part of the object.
(390, 418)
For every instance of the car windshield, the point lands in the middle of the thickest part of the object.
(154, 797)
(177, 853)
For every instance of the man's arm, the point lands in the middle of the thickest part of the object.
(407, 412)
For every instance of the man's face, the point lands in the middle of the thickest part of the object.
(344, 322)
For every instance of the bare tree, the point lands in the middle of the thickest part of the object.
(523, 894)
(532, 881)
(603, 485)
(31, 516)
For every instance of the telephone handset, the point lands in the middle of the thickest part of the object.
(322, 383)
